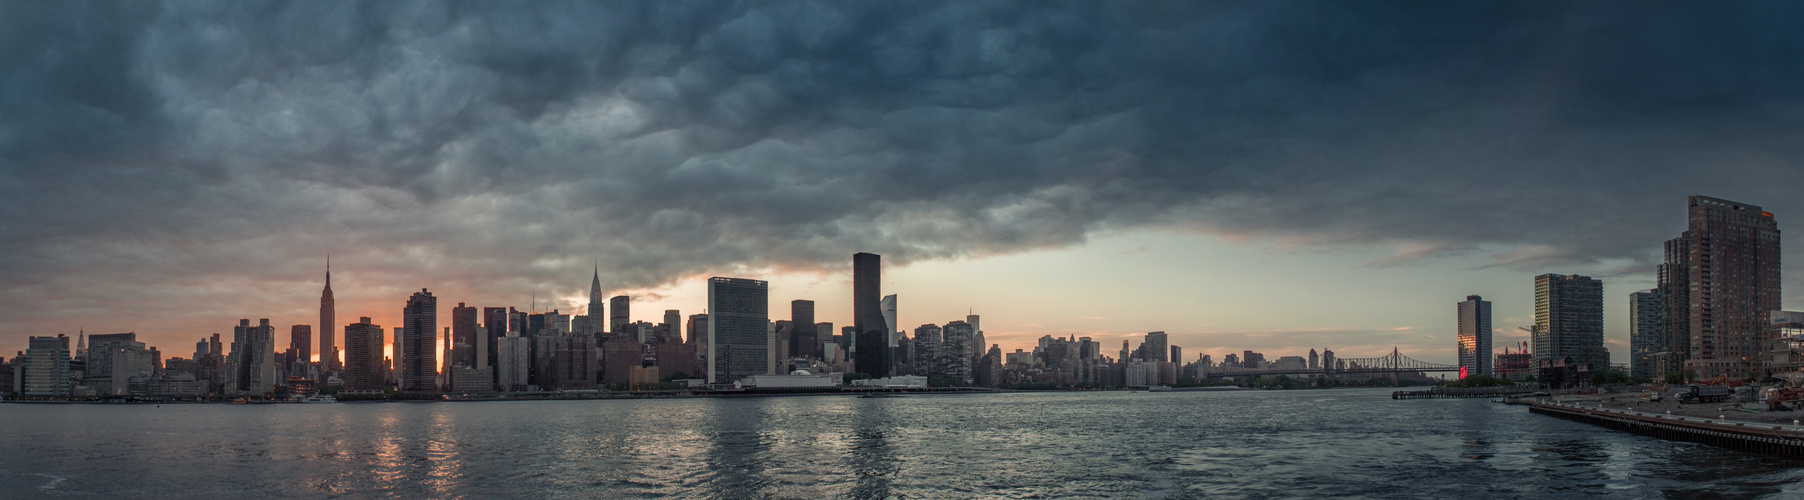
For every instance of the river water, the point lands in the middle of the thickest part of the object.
(1254, 444)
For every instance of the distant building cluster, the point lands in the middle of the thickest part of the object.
(503, 349)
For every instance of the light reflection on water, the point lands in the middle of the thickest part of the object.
(1048, 445)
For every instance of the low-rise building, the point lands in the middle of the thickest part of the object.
(793, 380)
(899, 381)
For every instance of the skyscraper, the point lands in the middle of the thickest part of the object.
(1646, 326)
(889, 320)
(494, 324)
(929, 358)
(597, 311)
(957, 350)
(1720, 281)
(328, 329)
(300, 338)
(363, 369)
(463, 335)
(513, 368)
(46, 366)
(1155, 349)
(673, 326)
(805, 339)
(251, 366)
(417, 356)
(1569, 319)
(870, 346)
(622, 314)
(738, 312)
(1475, 336)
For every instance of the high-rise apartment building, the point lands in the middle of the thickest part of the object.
(929, 347)
(363, 368)
(738, 331)
(463, 335)
(328, 329)
(514, 368)
(1154, 350)
(870, 348)
(1569, 319)
(1647, 322)
(1474, 336)
(417, 353)
(1719, 282)
(957, 350)
(251, 366)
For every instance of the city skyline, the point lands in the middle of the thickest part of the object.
(1411, 339)
(1061, 181)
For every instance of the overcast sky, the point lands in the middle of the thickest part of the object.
(1264, 175)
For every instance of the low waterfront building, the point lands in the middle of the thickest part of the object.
(175, 384)
(1785, 341)
(1514, 365)
(1563, 373)
(642, 376)
(898, 381)
(793, 380)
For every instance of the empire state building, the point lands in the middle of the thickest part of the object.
(328, 328)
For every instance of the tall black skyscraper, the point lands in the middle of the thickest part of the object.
(416, 346)
(463, 331)
(363, 356)
(738, 318)
(1569, 319)
(328, 329)
(804, 341)
(872, 343)
(494, 319)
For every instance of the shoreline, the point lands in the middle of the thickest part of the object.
(1759, 437)
(592, 396)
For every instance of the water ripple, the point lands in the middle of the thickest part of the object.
(1256, 444)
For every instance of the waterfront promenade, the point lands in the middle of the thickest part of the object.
(1763, 437)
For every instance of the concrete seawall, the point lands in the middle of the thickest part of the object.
(1784, 440)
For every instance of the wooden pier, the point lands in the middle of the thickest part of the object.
(1783, 440)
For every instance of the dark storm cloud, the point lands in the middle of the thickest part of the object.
(186, 150)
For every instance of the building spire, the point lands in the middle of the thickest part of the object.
(595, 286)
